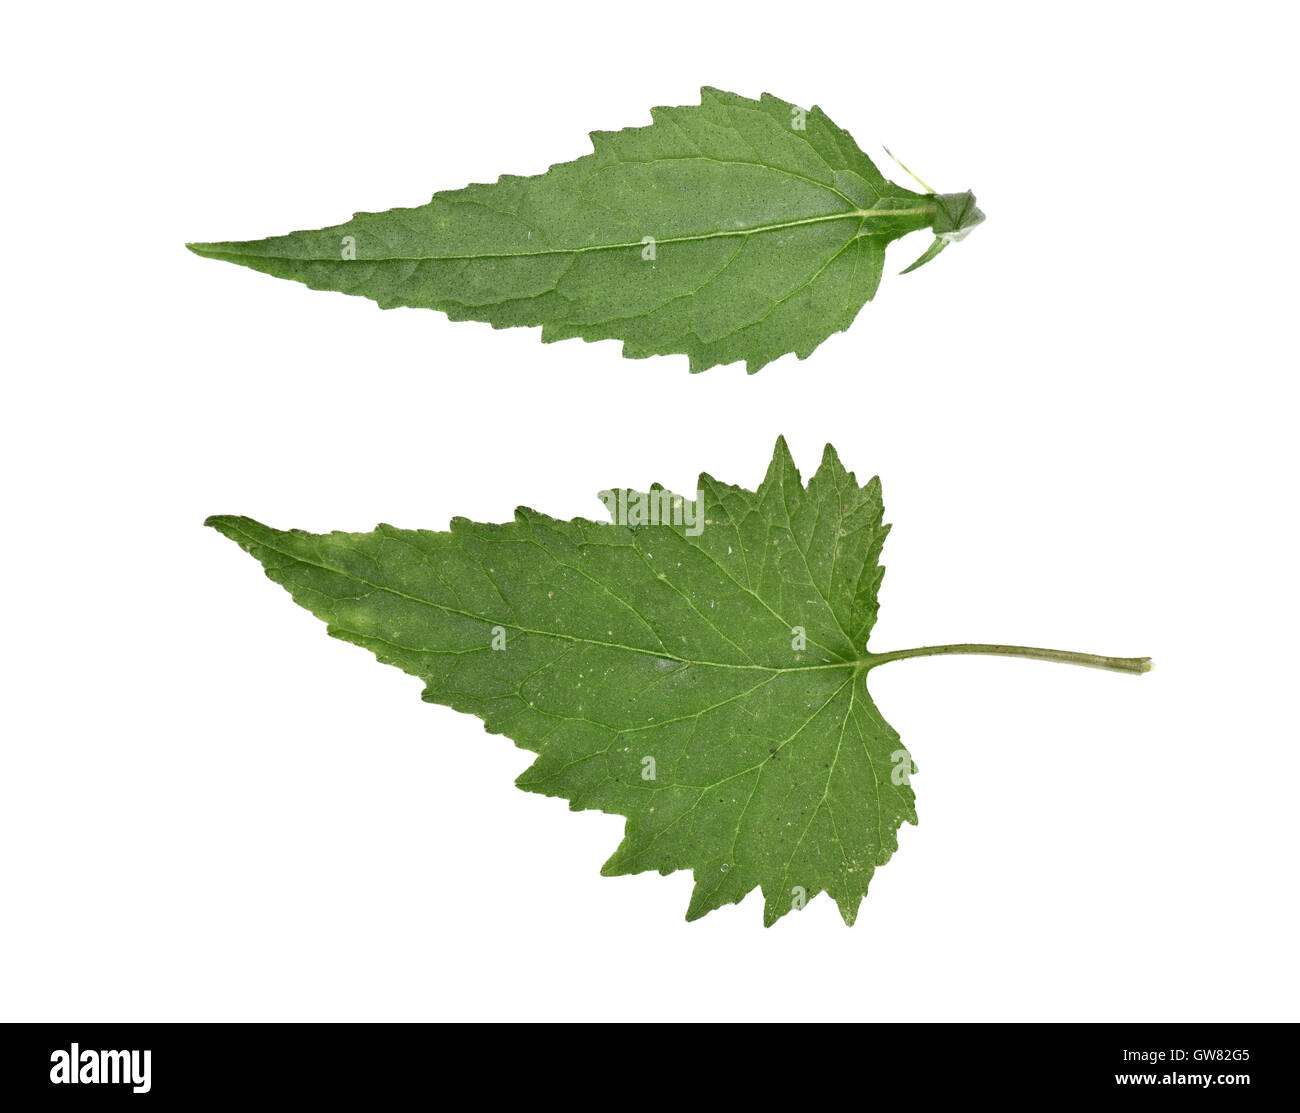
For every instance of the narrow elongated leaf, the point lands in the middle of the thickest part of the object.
(697, 665)
(731, 230)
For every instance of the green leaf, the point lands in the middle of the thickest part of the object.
(698, 666)
(731, 230)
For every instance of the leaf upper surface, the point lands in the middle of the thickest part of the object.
(611, 649)
(767, 238)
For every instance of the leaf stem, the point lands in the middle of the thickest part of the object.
(924, 185)
(1090, 660)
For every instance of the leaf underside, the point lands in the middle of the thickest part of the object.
(769, 229)
(612, 650)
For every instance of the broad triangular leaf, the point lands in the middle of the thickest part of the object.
(772, 766)
(731, 230)
(697, 665)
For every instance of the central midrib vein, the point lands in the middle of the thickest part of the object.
(853, 214)
(867, 662)
(661, 655)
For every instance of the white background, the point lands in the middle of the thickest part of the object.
(1082, 416)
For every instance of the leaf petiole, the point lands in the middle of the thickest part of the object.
(1089, 660)
(915, 177)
